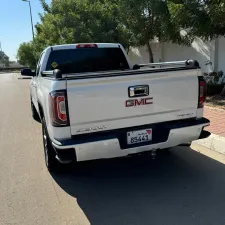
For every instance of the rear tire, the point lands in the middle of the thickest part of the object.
(34, 112)
(50, 155)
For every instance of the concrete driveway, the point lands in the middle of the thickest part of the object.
(182, 188)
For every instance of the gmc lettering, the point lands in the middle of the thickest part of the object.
(138, 102)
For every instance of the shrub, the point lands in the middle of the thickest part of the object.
(213, 77)
(214, 89)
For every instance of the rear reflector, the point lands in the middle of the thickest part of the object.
(202, 92)
(87, 46)
(58, 108)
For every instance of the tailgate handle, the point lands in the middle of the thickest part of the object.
(138, 91)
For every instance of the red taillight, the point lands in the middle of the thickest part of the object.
(58, 108)
(87, 46)
(202, 93)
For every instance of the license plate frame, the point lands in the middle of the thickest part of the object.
(139, 136)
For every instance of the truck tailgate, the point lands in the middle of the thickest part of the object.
(104, 103)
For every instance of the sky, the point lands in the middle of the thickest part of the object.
(15, 25)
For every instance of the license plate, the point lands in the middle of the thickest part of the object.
(139, 136)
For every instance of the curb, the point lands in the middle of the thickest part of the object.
(213, 142)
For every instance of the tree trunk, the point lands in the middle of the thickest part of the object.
(223, 92)
(151, 58)
(127, 50)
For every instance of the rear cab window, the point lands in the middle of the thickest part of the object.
(79, 60)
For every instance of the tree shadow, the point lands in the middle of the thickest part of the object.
(183, 187)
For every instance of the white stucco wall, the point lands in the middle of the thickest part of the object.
(221, 57)
(221, 54)
(199, 50)
(140, 55)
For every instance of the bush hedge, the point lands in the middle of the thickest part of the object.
(214, 89)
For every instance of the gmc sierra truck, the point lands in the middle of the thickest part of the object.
(93, 103)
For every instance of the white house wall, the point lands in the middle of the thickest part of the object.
(199, 50)
(140, 55)
(221, 54)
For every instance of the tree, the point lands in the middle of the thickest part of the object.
(4, 59)
(200, 18)
(26, 55)
(120, 21)
(73, 21)
(150, 19)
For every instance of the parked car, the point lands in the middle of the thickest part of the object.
(93, 103)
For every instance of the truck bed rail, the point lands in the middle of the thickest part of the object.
(172, 66)
(186, 63)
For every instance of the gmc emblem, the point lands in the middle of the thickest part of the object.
(138, 102)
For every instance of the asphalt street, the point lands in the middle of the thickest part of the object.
(184, 187)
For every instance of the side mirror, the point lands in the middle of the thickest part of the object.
(27, 72)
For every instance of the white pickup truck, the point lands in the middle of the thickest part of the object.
(94, 104)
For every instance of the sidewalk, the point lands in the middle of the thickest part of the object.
(216, 141)
(217, 120)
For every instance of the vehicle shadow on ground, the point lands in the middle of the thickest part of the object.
(183, 187)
